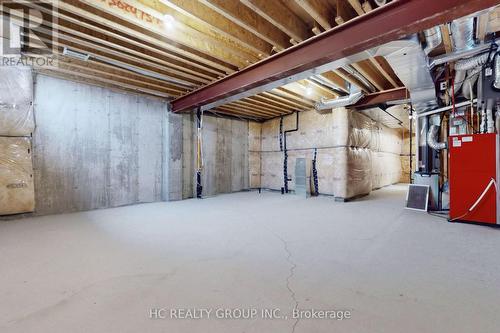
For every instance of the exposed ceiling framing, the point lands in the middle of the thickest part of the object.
(170, 48)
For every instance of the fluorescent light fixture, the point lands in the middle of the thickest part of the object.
(75, 54)
(168, 22)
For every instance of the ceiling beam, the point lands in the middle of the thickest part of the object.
(392, 21)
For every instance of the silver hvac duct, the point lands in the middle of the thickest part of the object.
(466, 70)
(410, 64)
(355, 95)
(380, 3)
(433, 38)
(462, 33)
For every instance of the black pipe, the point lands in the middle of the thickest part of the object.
(281, 133)
(315, 173)
(285, 157)
(199, 187)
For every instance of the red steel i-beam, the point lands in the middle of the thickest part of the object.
(393, 21)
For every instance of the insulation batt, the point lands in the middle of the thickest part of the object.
(355, 154)
(16, 101)
(16, 176)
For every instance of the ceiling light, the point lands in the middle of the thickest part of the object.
(309, 91)
(168, 22)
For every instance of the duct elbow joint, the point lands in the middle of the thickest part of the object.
(354, 97)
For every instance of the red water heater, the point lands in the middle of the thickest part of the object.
(474, 174)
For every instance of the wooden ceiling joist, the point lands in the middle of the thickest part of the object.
(250, 20)
(240, 115)
(259, 107)
(96, 31)
(278, 98)
(281, 17)
(258, 100)
(220, 23)
(131, 32)
(181, 35)
(321, 11)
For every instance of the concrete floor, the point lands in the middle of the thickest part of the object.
(396, 270)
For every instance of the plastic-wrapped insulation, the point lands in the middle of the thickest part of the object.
(432, 136)
(468, 83)
(16, 101)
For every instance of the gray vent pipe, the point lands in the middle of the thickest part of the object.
(433, 38)
(353, 97)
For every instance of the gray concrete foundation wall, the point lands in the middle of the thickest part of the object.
(95, 148)
(225, 155)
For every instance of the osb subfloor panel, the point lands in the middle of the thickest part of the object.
(397, 270)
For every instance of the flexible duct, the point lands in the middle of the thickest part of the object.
(353, 97)
(432, 137)
(380, 3)
(471, 63)
(496, 84)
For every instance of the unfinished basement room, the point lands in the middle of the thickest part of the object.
(249, 166)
